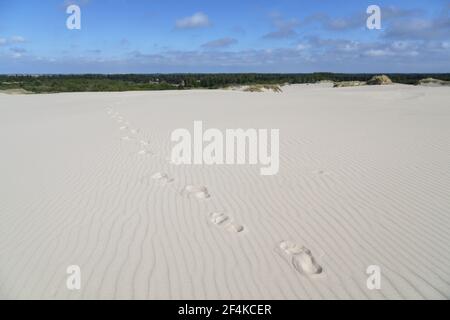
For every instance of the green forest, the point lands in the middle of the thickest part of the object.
(133, 82)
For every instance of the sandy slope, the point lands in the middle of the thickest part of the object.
(364, 180)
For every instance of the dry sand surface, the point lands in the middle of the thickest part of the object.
(364, 180)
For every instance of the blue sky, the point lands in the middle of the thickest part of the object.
(148, 36)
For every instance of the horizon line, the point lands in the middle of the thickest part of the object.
(212, 73)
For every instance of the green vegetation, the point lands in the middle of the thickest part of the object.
(375, 80)
(379, 80)
(262, 87)
(342, 84)
(129, 82)
(433, 82)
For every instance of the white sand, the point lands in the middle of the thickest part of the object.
(364, 180)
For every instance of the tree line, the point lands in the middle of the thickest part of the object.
(130, 82)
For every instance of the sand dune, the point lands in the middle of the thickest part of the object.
(364, 180)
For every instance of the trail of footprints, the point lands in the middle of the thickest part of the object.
(299, 257)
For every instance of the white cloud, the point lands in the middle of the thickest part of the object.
(12, 40)
(377, 53)
(303, 46)
(421, 27)
(198, 20)
(17, 39)
(283, 28)
(310, 56)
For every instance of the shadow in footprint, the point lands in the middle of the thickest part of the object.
(218, 218)
(321, 172)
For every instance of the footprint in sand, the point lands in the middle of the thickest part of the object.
(300, 258)
(162, 177)
(219, 218)
(222, 220)
(199, 192)
(134, 131)
(126, 138)
(144, 143)
(234, 227)
(144, 152)
(123, 128)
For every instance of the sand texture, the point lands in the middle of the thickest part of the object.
(364, 180)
